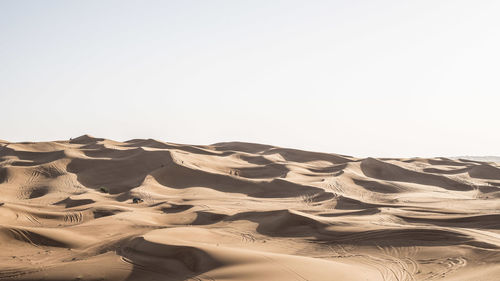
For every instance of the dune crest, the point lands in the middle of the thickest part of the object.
(97, 209)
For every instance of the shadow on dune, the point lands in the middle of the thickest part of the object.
(29, 236)
(446, 162)
(485, 171)
(29, 158)
(4, 175)
(165, 262)
(302, 156)
(39, 192)
(174, 208)
(273, 170)
(255, 159)
(178, 176)
(471, 161)
(406, 237)
(329, 169)
(375, 186)
(70, 203)
(254, 148)
(288, 154)
(446, 172)
(377, 169)
(347, 203)
(205, 218)
(479, 221)
(118, 174)
(85, 139)
(285, 223)
(151, 143)
(485, 189)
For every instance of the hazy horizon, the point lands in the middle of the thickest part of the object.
(384, 79)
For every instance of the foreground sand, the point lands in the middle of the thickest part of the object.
(241, 212)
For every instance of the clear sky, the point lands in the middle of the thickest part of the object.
(364, 78)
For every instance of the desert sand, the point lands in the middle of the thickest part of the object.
(241, 212)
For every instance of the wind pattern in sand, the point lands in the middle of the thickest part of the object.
(241, 212)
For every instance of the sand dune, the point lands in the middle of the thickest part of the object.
(241, 211)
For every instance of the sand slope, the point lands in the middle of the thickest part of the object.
(241, 211)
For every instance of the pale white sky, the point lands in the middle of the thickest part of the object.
(364, 78)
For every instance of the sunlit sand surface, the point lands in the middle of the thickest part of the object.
(241, 212)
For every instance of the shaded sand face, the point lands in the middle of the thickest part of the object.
(241, 212)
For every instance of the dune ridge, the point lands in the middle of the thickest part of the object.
(240, 211)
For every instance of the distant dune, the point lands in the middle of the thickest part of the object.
(97, 209)
(480, 158)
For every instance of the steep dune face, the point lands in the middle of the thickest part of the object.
(96, 209)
